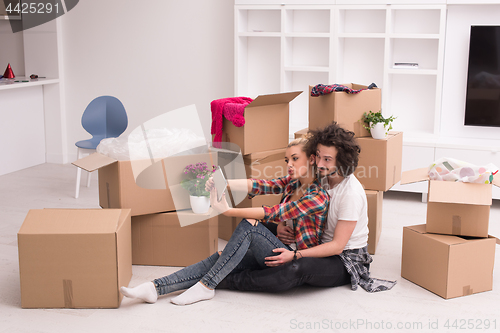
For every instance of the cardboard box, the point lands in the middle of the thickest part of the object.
(266, 164)
(449, 266)
(266, 124)
(227, 225)
(74, 258)
(375, 202)
(346, 109)
(142, 185)
(379, 166)
(159, 239)
(301, 133)
(455, 208)
(261, 165)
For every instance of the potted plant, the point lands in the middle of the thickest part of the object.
(196, 177)
(376, 124)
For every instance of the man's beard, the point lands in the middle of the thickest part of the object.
(331, 173)
(324, 178)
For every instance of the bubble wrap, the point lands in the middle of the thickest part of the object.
(450, 169)
(152, 143)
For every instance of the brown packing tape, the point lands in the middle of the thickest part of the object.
(68, 293)
(456, 228)
(467, 290)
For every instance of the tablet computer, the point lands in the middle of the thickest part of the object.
(220, 182)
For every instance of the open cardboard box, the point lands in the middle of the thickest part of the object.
(346, 109)
(379, 166)
(449, 266)
(74, 258)
(142, 185)
(267, 164)
(266, 124)
(161, 240)
(455, 208)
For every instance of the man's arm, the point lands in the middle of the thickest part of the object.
(343, 232)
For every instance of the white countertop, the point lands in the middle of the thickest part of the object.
(12, 84)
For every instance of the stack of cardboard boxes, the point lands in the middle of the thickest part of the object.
(379, 166)
(163, 225)
(452, 254)
(262, 140)
(82, 256)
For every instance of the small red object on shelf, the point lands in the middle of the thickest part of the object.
(9, 74)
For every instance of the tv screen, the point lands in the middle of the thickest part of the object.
(482, 105)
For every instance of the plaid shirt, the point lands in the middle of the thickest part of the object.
(357, 262)
(308, 213)
(321, 89)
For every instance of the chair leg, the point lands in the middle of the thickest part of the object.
(78, 175)
(88, 178)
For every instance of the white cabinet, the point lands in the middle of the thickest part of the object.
(32, 112)
(288, 47)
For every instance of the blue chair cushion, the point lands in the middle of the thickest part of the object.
(90, 143)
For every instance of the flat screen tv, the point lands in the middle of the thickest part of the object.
(482, 105)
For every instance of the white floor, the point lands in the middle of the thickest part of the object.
(405, 308)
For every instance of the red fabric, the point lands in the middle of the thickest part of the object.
(232, 108)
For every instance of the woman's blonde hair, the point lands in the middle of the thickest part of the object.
(302, 141)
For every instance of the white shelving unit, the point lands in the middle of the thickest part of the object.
(34, 110)
(288, 47)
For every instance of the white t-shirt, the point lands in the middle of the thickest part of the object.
(348, 203)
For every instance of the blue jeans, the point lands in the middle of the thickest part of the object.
(246, 249)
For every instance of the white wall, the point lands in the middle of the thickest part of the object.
(459, 20)
(11, 49)
(153, 55)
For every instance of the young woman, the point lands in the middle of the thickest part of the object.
(304, 205)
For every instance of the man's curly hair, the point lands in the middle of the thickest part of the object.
(335, 136)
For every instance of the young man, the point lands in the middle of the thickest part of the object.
(342, 257)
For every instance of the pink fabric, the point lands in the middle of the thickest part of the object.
(232, 108)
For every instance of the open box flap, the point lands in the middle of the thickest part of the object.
(273, 99)
(446, 239)
(461, 193)
(419, 228)
(93, 162)
(414, 176)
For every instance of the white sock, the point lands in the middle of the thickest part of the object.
(196, 293)
(146, 292)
